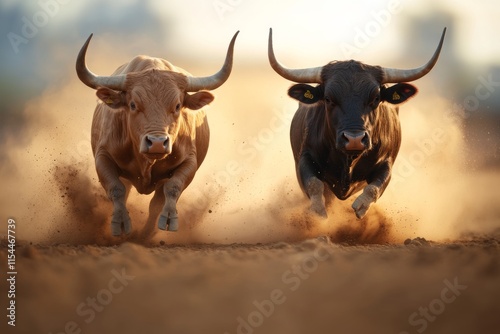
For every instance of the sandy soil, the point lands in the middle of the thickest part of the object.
(311, 286)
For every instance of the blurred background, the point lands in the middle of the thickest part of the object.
(46, 112)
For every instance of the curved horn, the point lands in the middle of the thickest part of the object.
(214, 81)
(116, 82)
(393, 75)
(306, 75)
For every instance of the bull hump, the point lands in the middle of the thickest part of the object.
(143, 63)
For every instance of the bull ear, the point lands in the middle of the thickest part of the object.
(112, 98)
(305, 93)
(198, 100)
(398, 93)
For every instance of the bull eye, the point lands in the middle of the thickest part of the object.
(132, 106)
(177, 109)
(332, 101)
(375, 102)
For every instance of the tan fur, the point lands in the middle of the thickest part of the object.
(155, 86)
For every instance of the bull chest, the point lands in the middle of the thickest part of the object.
(147, 175)
(345, 176)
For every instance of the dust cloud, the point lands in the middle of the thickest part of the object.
(246, 190)
(437, 189)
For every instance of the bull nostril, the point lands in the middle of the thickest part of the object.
(156, 144)
(356, 140)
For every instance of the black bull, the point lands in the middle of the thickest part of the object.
(346, 132)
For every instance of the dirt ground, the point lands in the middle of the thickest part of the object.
(309, 286)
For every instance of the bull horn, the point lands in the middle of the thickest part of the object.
(214, 81)
(116, 82)
(305, 75)
(393, 75)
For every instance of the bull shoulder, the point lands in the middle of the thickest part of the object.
(196, 128)
(307, 132)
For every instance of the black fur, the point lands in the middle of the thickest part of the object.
(350, 98)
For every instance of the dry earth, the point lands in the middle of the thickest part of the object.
(310, 286)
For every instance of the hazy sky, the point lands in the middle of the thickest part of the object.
(40, 39)
(324, 26)
(308, 27)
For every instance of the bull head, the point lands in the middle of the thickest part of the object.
(351, 93)
(153, 97)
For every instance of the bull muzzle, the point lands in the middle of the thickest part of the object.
(354, 142)
(157, 145)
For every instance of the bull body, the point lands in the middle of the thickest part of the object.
(346, 135)
(150, 133)
(313, 136)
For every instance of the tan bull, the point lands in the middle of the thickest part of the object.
(149, 133)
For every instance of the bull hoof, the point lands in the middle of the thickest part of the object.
(119, 226)
(315, 189)
(162, 222)
(116, 229)
(319, 209)
(360, 208)
(365, 200)
(170, 223)
(173, 225)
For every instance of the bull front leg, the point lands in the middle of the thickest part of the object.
(169, 219)
(373, 190)
(307, 173)
(155, 207)
(172, 190)
(117, 192)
